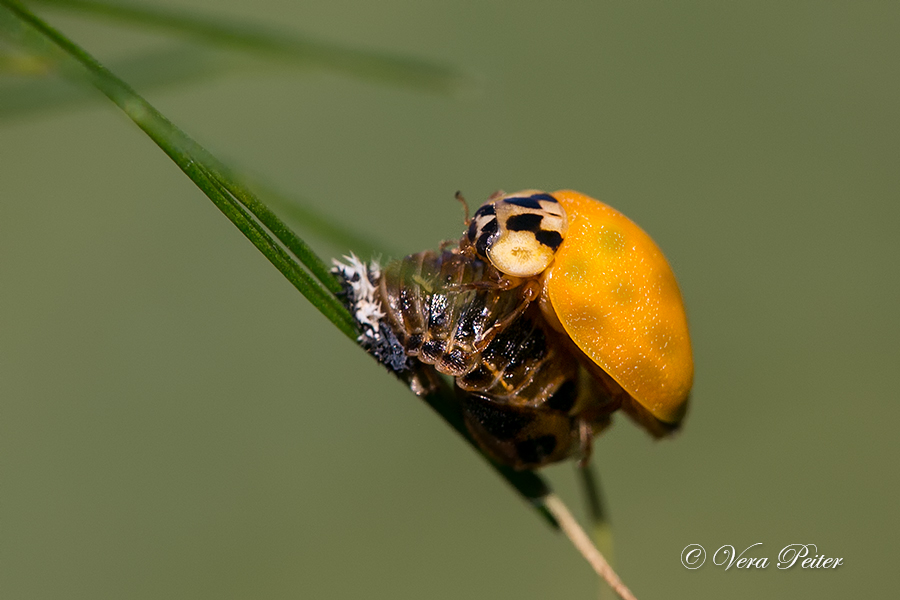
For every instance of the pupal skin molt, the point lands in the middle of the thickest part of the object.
(533, 385)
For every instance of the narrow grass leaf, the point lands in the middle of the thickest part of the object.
(377, 66)
(324, 226)
(201, 167)
(148, 71)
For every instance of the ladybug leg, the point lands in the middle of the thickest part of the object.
(488, 336)
(495, 280)
(447, 244)
(508, 282)
(531, 291)
(484, 284)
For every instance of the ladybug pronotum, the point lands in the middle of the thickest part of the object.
(554, 311)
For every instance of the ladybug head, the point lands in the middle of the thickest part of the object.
(518, 233)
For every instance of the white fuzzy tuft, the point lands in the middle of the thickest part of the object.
(366, 308)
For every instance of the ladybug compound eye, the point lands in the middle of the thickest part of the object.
(519, 233)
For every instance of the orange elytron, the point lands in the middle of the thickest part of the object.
(615, 295)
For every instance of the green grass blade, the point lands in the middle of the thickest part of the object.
(297, 246)
(377, 66)
(30, 56)
(320, 298)
(152, 70)
(38, 94)
(20, 63)
(211, 177)
(324, 226)
(222, 193)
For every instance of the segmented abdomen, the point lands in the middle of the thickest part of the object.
(524, 364)
(516, 378)
(442, 309)
(445, 313)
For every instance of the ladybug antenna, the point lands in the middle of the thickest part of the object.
(465, 204)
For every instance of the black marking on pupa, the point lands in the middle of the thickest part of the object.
(358, 284)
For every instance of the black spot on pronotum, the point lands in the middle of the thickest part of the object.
(489, 227)
(524, 202)
(527, 222)
(545, 197)
(564, 398)
(551, 239)
(534, 451)
(484, 210)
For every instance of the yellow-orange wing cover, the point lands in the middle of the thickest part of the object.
(616, 297)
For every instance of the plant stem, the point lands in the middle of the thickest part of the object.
(583, 543)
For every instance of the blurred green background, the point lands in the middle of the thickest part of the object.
(177, 422)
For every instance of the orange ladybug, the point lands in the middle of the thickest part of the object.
(554, 311)
(607, 286)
